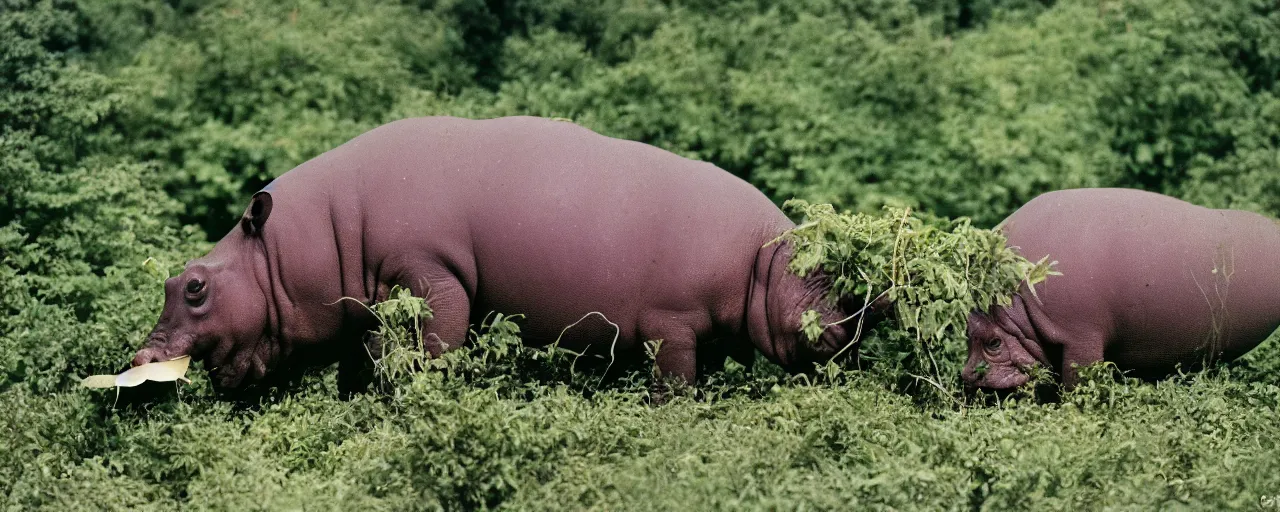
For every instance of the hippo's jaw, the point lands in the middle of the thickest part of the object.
(244, 365)
(1002, 349)
(230, 364)
(1000, 378)
(777, 302)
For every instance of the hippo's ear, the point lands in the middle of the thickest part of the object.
(256, 215)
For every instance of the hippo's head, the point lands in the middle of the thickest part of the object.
(779, 301)
(217, 309)
(1001, 349)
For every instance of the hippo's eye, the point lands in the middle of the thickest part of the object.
(993, 344)
(194, 286)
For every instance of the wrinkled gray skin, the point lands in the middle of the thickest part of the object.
(515, 215)
(1149, 282)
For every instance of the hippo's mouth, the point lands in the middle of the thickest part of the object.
(1002, 379)
(235, 365)
(227, 365)
(162, 347)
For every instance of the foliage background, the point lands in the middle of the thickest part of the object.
(137, 128)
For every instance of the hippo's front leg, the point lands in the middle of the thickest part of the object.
(450, 309)
(445, 330)
(677, 358)
(1083, 351)
(677, 355)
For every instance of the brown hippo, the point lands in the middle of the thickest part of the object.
(1148, 282)
(516, 215)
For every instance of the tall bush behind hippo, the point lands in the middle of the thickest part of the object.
(622, 241)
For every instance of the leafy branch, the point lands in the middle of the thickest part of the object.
(934, 271)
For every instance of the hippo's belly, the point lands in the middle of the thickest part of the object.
(605, 288)
(1225, 304)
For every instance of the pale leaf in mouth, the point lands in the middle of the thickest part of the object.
(164, 371)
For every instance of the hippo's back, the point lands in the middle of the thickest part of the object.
(553, 220)
(1166, 278)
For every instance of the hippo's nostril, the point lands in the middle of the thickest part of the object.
(144, 356)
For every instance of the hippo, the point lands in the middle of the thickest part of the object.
(601, 244)
(1148, 282)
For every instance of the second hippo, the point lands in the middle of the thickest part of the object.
(1148, 282)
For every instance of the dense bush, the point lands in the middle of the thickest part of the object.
(135, 129)
(76, 223)
(961, 107)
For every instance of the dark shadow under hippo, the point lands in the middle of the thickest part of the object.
(1148, 282)
(515, 215)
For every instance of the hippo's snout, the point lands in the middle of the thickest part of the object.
(160, 347)
(972, 373)
(1001, 378)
